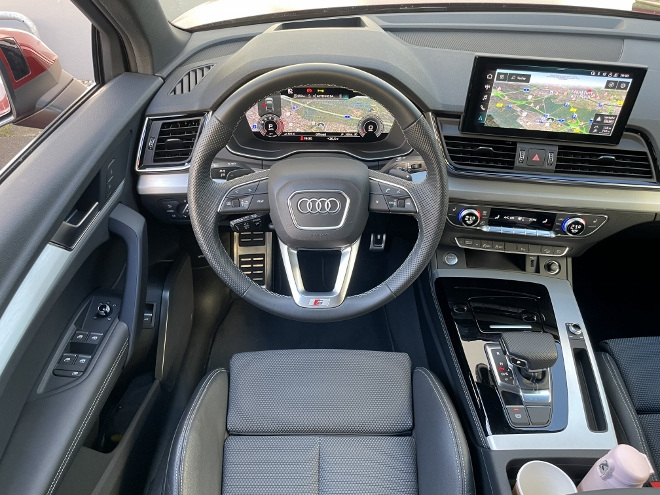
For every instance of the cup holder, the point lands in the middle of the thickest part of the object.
(575, 467)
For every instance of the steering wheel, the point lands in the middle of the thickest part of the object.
(317, 203)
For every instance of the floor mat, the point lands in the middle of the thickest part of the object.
(246, 328)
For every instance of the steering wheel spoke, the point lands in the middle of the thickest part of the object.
(308, 299)
(388, 194)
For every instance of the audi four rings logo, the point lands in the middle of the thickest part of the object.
(315, 206)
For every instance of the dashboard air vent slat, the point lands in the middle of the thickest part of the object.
(605, 162)
(176, 139)
(191, 79)
(480, 152)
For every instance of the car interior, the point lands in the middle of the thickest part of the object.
(388, 248)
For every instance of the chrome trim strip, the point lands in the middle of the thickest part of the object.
(577, 434)
(162, 184)
(206, 116)
(319, 300)
(502, 327)
(546, 180)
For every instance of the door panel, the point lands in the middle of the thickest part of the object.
(83, 166)
(36, 198)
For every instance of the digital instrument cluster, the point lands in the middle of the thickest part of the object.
(319, 114)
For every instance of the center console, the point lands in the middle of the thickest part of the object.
(523, 358)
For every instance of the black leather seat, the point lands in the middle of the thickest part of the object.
(317, 422)
(631, 373)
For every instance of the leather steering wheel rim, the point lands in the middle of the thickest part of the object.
(205, 195)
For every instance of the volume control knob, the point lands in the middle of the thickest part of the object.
(469, 217)
(574, 226)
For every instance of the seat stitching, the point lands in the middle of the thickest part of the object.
(178, 474)
(87, 418)
(626, 399)
(458, 453)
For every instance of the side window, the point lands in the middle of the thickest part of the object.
(45, 65)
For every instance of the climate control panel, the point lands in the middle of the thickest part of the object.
(530, 223)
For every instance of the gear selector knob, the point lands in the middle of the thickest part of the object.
(531, 351)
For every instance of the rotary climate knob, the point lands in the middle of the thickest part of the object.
(574, 226)
(469, 217)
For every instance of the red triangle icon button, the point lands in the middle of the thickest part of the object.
(536, 158)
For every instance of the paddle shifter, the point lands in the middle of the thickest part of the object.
(521, 365)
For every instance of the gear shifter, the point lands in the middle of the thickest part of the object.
(532, 354)
(521, 365)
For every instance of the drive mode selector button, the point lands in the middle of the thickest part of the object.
(469, 217)
(574, 226)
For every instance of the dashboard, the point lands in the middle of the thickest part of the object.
(566, 133)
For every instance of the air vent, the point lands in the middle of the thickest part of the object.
(191, 79)
(176, 139)
(480, 153)
(167, 143)
(604, 162)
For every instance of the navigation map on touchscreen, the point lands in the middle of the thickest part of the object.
(581, 103)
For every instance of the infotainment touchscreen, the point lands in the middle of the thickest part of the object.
(550, 99)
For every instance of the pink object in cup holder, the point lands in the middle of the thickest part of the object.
(622, 467)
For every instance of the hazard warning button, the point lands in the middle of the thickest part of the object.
(536, 157)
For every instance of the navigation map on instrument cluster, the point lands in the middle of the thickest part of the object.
(325, 114)
(331, 115)
(554, 102)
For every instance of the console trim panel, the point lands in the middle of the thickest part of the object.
(566, 310)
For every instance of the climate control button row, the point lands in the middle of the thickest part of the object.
(566, 224)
